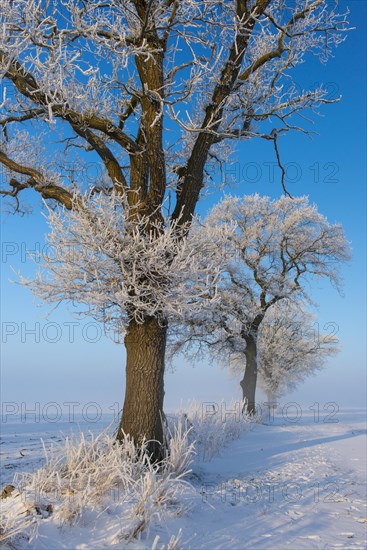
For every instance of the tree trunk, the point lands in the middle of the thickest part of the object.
(143, 405)
(248, 383)
(270, 396)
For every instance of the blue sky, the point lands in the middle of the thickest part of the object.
(331, 169)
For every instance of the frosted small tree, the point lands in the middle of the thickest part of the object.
(277, 250)
(150, 91)
(290, 349)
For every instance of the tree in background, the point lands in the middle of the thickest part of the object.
(290, 349)
(278, 248)
(152, 91)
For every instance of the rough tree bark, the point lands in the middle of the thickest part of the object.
(143, 406)
(248, 382)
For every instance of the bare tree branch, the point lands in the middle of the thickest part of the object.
(36, 181)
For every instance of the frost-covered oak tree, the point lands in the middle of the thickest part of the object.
(290, 349)
(279, 247)
(150, 91)
(122, 273)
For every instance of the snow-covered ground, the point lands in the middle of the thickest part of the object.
(280, 485)
(283, 485)
(21, 442)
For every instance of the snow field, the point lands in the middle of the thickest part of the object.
(242, 484)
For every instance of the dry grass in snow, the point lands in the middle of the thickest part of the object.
(95, 481)
(212, 425)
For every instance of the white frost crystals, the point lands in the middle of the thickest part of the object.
(125, 270)
(291, 348)
(279, 245)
